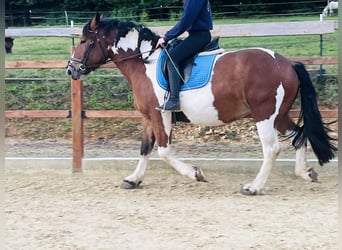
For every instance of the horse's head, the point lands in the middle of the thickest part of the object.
(98, 37)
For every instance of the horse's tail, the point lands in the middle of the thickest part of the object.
(313, 127)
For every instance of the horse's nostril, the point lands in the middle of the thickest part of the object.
(69, 72)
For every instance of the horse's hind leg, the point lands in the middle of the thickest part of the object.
(302, 168)
(270, 148)
(134, 180)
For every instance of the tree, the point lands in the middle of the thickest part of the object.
(18, 10)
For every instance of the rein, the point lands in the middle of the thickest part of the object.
(83, 66)
(133, 56)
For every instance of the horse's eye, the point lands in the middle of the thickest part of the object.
(82, 41)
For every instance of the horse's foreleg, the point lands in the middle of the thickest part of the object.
(270, 148)
(134, 180)
(163, 135)
(188, 170)
(302, 167)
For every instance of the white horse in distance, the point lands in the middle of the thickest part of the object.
(331, 6)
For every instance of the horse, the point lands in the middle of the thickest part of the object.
(254, 82)
(8, 41)
(9, 44)
(331, 6)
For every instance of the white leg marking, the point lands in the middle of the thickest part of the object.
(166, 117)
(270, 147)
(302, 166)
(138, 174)
(183, 168)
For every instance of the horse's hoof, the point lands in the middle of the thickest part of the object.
(313, 175)
(199, 175)
(129, 185)
(249, 190)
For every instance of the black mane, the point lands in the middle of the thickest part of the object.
(123, 27)
(106, 24)
(145, 34)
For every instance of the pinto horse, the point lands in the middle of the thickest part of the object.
(255, 82)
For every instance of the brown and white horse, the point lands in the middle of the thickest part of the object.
(251, 82)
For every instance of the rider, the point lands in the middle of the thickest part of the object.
(197, 21)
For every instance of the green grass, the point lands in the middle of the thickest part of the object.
(42, 48)
(308, 45)
(108, 93)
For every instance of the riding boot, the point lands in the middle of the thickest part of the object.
(172, 103)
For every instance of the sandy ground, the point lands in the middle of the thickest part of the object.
(59, 210)
(89, 211)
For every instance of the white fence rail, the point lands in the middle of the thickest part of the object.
(223, 30)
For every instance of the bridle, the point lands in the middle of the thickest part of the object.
(83, 67)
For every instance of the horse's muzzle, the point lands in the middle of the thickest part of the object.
(71, 71)
(75, 71)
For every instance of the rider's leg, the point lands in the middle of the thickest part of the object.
(187, 48)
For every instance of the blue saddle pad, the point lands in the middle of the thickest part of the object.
(200, 73)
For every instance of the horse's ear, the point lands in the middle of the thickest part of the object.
(95, 22)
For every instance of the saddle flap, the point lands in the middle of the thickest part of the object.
(197, 72)
(185, 68)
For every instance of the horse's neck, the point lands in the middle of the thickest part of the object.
(134, 69)
(131, 69)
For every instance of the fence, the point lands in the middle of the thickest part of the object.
(77, 113)
(34, 15)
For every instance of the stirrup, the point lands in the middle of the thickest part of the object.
(169, 106)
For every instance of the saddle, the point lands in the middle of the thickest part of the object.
(185, 67)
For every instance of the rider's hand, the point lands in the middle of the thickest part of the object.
(160, 42)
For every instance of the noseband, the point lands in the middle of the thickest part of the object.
(83, 67)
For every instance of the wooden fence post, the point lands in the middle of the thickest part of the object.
(77, 124)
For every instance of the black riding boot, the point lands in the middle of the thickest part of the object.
(172, 103)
